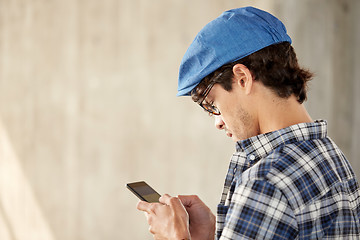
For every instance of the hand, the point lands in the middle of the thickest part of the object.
(167, 219)
(202, 220)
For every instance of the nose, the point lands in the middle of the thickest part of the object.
(219, 123)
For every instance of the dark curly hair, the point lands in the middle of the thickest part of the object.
(276, 66)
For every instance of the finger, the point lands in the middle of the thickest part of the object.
(149, 218)
(151, 230)
(176, 204)
(144, 206)
(164, 199)
(173, 202)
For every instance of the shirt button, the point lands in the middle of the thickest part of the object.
(235, 170)
(252, 157)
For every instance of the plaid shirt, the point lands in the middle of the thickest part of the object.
(293, 183)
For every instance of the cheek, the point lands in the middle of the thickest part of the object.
(239, 121)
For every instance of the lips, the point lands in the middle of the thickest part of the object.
(229, 134)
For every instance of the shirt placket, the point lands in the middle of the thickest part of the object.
(237, 163)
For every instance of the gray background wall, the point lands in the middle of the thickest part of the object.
(87, 103)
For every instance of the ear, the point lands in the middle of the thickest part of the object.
(243, 77)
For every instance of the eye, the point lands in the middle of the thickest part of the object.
(211, 108)
(210, 104)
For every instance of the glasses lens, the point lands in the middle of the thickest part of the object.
(206, 106)
(216, 111)
(210, 108)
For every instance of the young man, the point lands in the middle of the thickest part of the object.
(287, 178)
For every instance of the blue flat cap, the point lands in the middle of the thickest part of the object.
(235, 34)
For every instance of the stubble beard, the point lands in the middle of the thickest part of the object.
(245, 125)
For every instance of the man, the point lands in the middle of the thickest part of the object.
(287, 178)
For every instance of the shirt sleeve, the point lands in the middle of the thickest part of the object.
(259, 210)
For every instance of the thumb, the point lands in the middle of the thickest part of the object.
(189, 200)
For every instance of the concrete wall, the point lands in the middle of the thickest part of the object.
(87, 103)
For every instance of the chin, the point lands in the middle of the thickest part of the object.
(240, 138)
(236, 139)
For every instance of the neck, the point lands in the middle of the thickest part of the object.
(281, 113)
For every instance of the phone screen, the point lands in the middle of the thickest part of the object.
(143, 191)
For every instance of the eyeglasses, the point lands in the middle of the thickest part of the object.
(208, 106)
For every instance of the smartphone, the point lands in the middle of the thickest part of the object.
(143, 191)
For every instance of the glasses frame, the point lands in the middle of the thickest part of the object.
(210, 108)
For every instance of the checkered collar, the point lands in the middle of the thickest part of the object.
(263, 144)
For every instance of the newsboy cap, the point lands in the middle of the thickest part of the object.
(235, 34)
